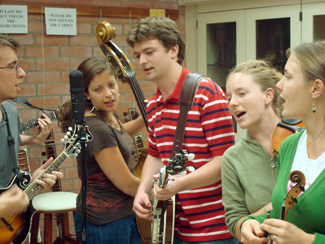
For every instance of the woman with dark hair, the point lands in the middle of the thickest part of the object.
(112, 184)
(303, 89)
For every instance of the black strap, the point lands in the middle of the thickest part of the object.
(11, 143)
(186, 100)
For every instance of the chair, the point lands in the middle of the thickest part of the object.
(57, 203)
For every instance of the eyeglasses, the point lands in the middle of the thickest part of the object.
(16, 67)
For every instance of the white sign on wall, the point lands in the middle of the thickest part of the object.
(61, 21)
(13, 19)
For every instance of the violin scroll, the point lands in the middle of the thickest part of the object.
(299, 178)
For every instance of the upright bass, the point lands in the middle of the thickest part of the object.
(125, 72)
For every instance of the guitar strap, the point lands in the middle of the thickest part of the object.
(186, 100)
(11, 143)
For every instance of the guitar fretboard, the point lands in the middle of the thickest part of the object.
(34, 188)
(51, 152)
(33, 122)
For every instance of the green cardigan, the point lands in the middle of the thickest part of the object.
(308, 213)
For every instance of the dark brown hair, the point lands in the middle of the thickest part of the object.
(162, 28)
(89, 68)
(9, 42)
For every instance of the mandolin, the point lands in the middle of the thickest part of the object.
(15, 229)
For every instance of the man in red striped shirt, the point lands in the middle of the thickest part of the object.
(158, 45)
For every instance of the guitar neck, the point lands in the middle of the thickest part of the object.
(33, 122)
(34, 188)
(72, 146)
(51, 152)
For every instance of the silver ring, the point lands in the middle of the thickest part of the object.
(274, 238)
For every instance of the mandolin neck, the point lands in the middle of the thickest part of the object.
(34, 188)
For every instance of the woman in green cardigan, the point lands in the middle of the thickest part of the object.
(303, 89)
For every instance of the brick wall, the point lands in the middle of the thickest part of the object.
(48, 60)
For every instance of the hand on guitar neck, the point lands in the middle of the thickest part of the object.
(165, 178)
(163, 202)
(15, 228)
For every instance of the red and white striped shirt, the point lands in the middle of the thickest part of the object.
(208, 133)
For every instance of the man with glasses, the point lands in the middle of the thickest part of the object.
(13, 200)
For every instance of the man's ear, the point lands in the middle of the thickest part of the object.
(318, 88)
(269, 95)
(174, 51)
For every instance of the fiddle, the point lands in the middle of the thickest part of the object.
(291, 198)
(285, 128)
(297, 177)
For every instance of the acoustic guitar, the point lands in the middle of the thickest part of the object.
(15, 229)
(139, 154)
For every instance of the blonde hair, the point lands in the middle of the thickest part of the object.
(265, 75)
